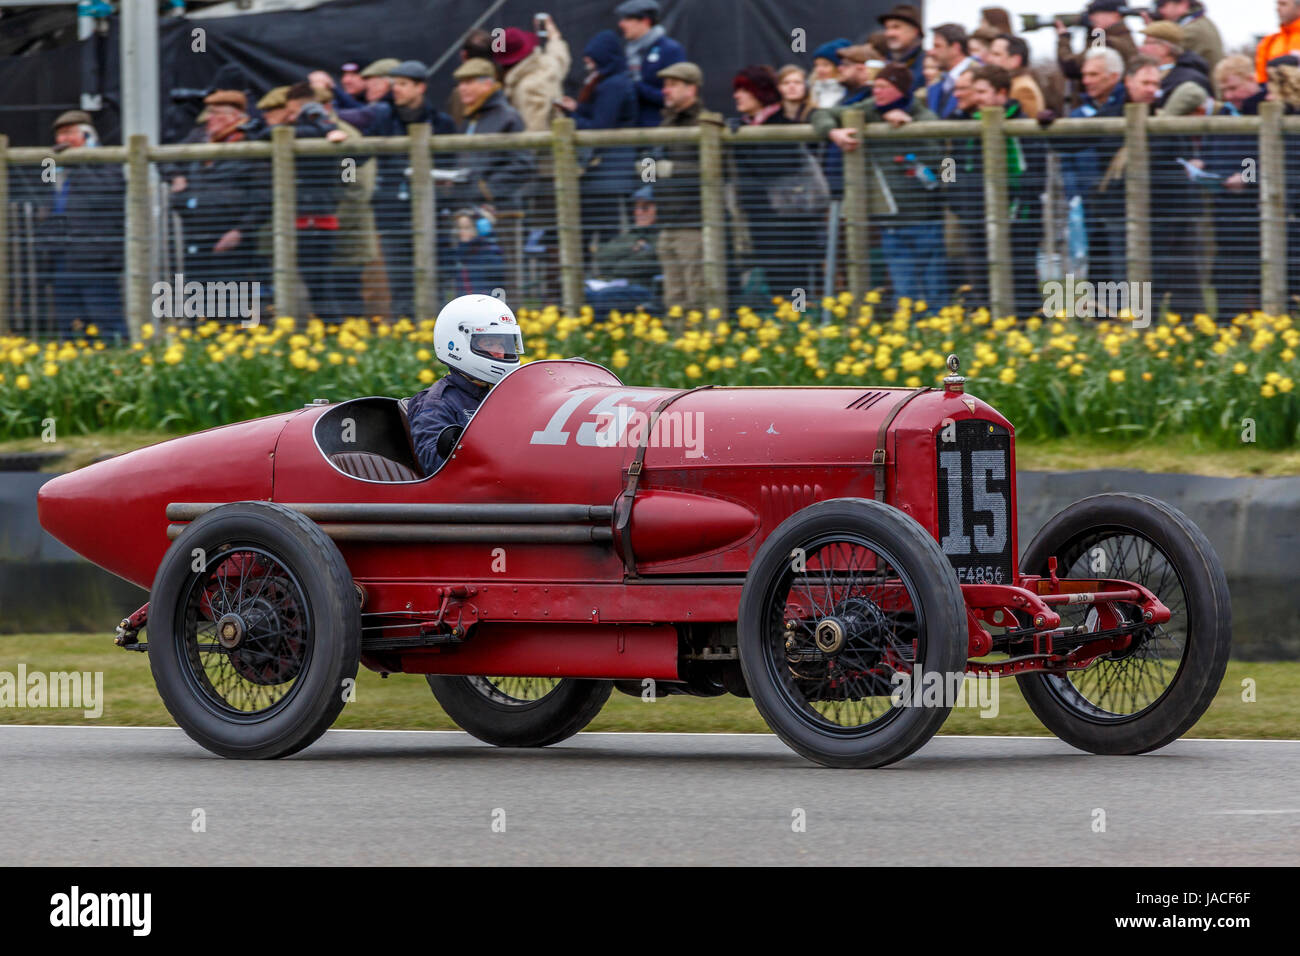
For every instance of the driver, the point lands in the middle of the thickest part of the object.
(478, 339)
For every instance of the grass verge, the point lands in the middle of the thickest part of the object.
(404, 702)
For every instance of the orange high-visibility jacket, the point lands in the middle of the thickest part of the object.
(1286, 40)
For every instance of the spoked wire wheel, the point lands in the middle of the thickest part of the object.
(1123, 684)
(842, 625)
(245, 632)
(849, 603)
(254, 630)
(520, 711)
(515, 691)
(1149, 693)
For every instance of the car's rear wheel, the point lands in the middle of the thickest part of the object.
(520, 711)
(1153, 691)
(254, 631)
(849, 609)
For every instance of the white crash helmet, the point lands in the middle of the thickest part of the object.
(479, 336)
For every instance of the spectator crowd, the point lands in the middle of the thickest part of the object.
(642, 229)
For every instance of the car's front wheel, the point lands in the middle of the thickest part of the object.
(852, 633)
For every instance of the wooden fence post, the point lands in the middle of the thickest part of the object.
(568, 212)
(713, 218)
(857, 235)
(139, 235)
(1137, 193)
(424, 269)
(284, 222)
(997, 229)
(1272, 209)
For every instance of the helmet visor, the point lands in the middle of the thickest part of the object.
(497, 346)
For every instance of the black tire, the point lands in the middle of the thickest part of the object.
(1167, 694)
(780, 663)
(296, 621)
(487, 708)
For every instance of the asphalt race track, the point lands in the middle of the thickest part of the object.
(118, 796)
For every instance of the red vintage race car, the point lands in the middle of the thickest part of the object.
(815, 548)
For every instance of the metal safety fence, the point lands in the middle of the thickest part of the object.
(1190, 214)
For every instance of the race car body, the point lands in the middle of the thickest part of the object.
(804, 545)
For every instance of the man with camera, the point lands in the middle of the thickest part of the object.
(534, 64)
(1106, 16)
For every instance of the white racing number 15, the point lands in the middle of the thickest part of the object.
(984, 466)
(609, 419)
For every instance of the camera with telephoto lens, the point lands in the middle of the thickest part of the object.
(1033, 21)
(188, 94)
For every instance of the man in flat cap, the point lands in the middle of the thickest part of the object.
(79, 230)
(375, 84)
(222, 202)
(392, 199)
(1175, 200)
(494, 178)
(1163, 42)
(856, 71)
(1200, 35)
(675, 173)
(648, 50)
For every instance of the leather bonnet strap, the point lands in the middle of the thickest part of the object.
(878, 456)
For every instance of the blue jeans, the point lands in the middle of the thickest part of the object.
(917, 265)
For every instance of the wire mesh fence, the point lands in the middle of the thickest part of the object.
(1198, 215)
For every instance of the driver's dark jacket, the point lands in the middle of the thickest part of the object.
(449, 401)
